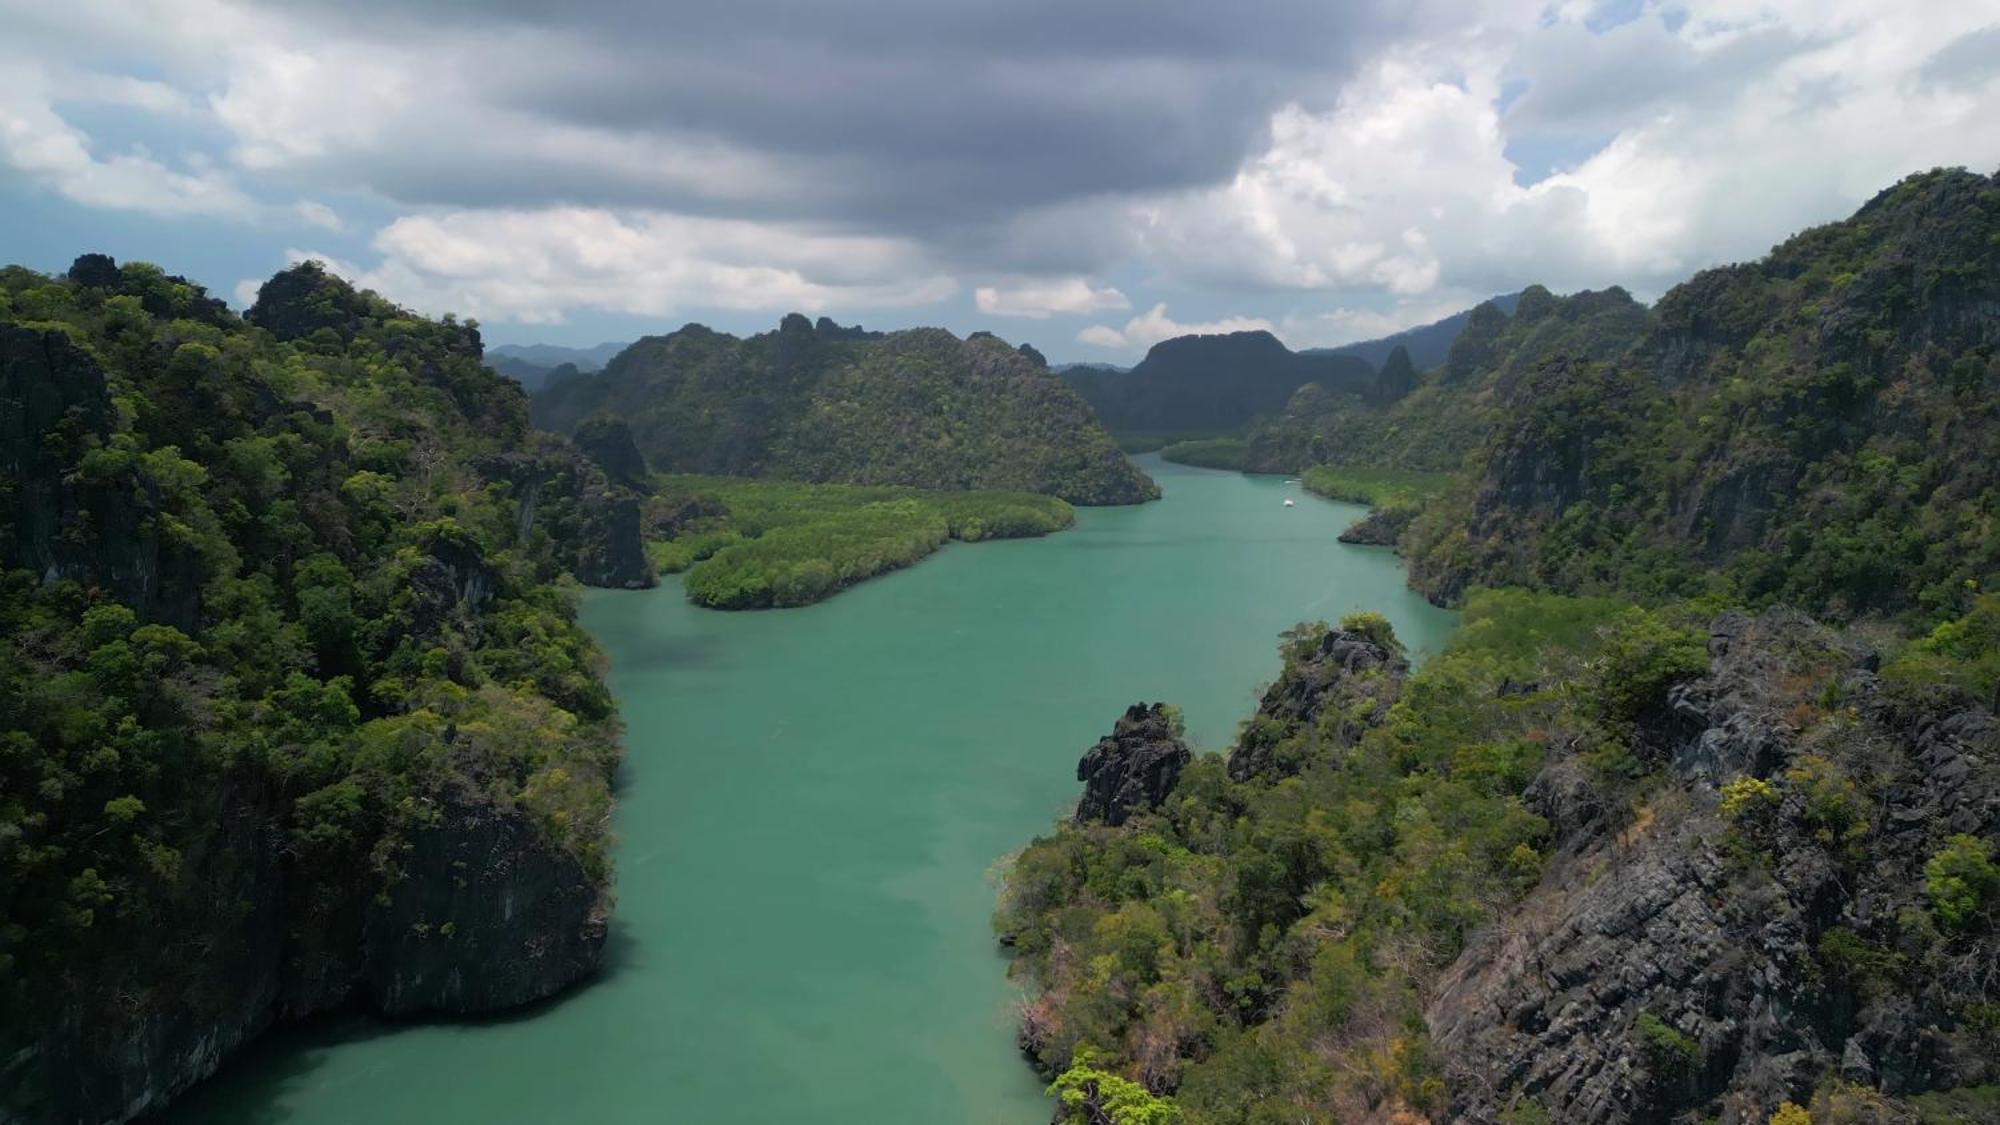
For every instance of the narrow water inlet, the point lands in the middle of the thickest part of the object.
(813, 801)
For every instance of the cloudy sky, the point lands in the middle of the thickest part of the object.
(1087, 175)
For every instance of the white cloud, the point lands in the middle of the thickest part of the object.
(38, 143)
(319, 214)
(1154, 325)
(537, 266)
(680, 182)
(1753, 119)
(1039, 300)
(1346, 325)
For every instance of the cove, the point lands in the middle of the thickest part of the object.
(812, 802)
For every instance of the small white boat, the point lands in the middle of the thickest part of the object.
(1288, 502)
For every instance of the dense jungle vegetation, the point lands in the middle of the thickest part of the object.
(271, 602)
(824, 403)
(1259, 947)
(1381, 488)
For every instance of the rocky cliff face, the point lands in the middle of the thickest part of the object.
(53, 403)
(484, 917)
(1381, 527)
(1133, 768)
(1345, 677)
(1761, 923)
(587, 524)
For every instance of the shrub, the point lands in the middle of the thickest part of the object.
(1963, 883)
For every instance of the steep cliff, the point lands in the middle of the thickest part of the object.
(1764, 924)
(1133, 768)
(570, 511)
(1351, 676)
(291, 712)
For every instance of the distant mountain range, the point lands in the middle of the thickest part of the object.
(1219, 383)
(535, 365)
(1428, 344)
(1178, 392)
(593, 358)
(1211, 384)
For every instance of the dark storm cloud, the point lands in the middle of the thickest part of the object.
(897, 113)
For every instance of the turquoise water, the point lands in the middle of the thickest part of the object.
(813, 803)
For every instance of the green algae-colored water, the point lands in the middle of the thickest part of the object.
(813, 804)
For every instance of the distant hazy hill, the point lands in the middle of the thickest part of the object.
(1428, 344)
(531, 376)
(549, 356)
(1212, 383)
(827, 403)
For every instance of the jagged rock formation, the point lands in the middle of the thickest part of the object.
(608, 441)
(1133, 768)
(1736, 950)
(830, 404)
(53, 400)
(1346, 676)
(1210, 384)
(1621, 866)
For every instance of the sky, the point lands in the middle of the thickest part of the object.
(1089, 176)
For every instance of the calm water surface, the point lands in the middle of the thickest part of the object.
(813, 804)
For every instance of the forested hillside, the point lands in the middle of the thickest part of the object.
(1645, 844)
(823, 403)
(1812, 429)
(1815, 429)
(1450, 410)
(290, 686)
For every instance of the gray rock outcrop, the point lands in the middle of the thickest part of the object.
(1133, 768)
(1685, 958)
